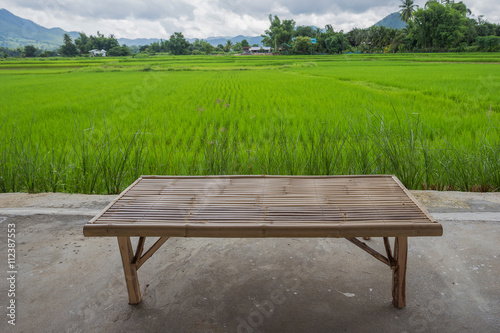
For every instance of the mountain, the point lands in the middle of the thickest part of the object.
(391, 21)
(18, 32)
(137, 41)
(214, 41)
(222, 40)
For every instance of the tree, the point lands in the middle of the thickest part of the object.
(82, 43)
(227, 47)
(440, 26)
(237, 47)
(489, 43)
(101, 42)
(336, 42)
(154, 47)
(68, 49)
(200, 46)
(279, 33)
(356, 36)
(208, 48)
(407, 9)
(86, 43)
(304, 31)
(244, 43)
(302, 45)
(10, 52)
(30, 51)
(119, 51)
(46, 54)
(177, 44)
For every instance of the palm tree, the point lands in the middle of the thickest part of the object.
(407, 9)
(227, 47)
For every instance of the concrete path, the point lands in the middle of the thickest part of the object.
(68, 283)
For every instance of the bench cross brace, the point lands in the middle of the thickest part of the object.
(133, 261)
(396, 262)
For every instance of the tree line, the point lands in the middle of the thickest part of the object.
(178, 45)
(83, 44)
(438, 26)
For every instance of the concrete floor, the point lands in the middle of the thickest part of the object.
(68, 283)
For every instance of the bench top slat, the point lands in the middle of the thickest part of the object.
(265, 206)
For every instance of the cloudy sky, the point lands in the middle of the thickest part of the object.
(202, 18)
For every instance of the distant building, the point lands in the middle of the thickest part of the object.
(95, 52)
(256, 50)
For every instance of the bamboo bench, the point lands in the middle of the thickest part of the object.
(265, 206)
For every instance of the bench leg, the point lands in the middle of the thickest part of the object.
(399, 272)
(130, 270)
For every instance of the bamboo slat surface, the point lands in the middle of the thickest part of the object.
(265, 206)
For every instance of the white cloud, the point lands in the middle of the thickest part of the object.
(203, 18)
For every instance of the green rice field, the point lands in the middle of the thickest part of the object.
(93, 125)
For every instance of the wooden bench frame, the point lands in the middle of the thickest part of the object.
(132, 261)
(395, 257)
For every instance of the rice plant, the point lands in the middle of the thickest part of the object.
(94, 126)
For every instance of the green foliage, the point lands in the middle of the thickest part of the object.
(119, 51)
(484, 28)
(227, 47)
(68, 49)
(439, 26)
(407, 8)
(302, 45)
(86, 43)
(335, 42)
(304, 31)
(30, 51)
(375, 38)
(201, 47)
(237, 47)
(83, 43)
(444, 26)
(489, 43)
(46, 54)
(177, 44)
(10, 52)
(244, 43)
(279, 33)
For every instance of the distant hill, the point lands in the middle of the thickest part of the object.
(391, 21)
(222, 40)
(18, 32)
(214, 41)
